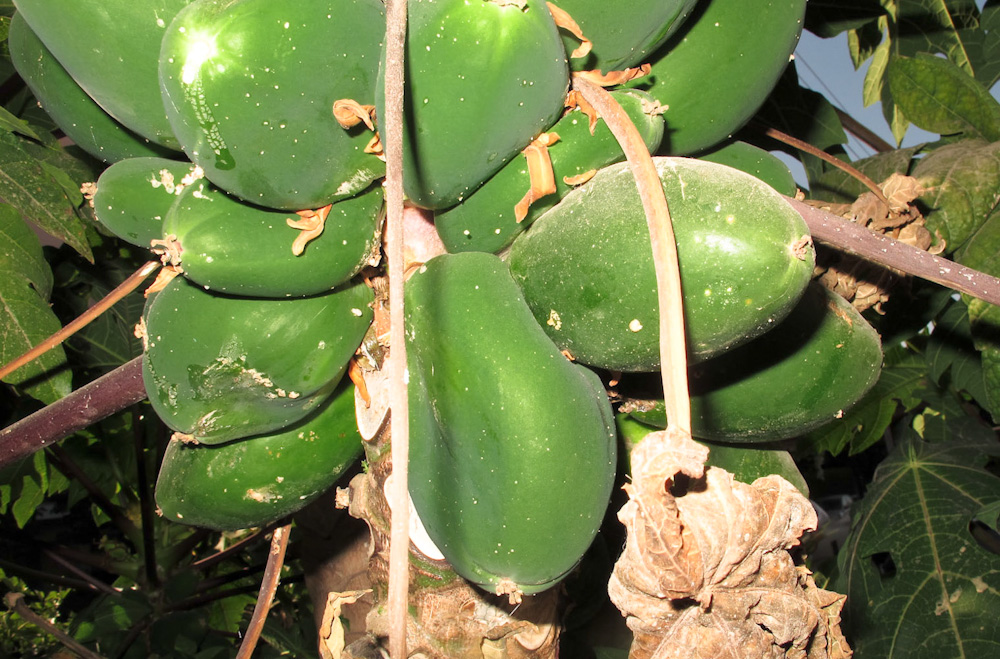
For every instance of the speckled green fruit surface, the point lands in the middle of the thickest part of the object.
(805, 372)
(134, 195)
(516, 443)
(623, 33)
(755, 161)
(249, 87)
(252, 482)
(717, 70)
(586, 266)
(219, 368)
(111, 48)
(233, 247)
(74, 111)
(483, 78)
(485, 221)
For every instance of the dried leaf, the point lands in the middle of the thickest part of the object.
(706, 573)
(540, 174)
(566, 22)
(612, 78)
(331, 642)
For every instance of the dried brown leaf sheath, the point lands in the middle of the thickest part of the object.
(707, 574)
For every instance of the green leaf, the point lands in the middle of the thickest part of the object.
(935, 26)
(951, 355)
(984, 45)
(29, 187)
(828, 18)
(939, 97)
(32, 496)
(25, 316)
(12, 124)
(961, 180)
(748, 463)
(918, 585)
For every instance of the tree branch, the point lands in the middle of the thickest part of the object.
(272, 574)
(98, 400)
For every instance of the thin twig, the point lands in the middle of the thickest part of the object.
(94, 583)
(392, 140)
(776, 134)
(218, 557)
(107, 395)
(147, 505)
(15, 602)
(275, 561)
(860, 241)
(78, 323)
(56, 579)
(673, 350)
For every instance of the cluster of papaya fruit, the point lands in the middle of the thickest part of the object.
(243, 148)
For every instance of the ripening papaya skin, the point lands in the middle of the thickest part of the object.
(483, 79)
(517, 444)
(74, 111)
(718, 69)
(233, 247)
(805, 372)
(134, 195)
(586, 265)
(254, 481)
(485, 221)
(218, 368)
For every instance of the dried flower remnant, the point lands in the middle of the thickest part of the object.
(540, 174)
(311, 226)
(566, 22)
(706, 573)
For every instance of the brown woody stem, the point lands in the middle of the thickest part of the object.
(862, 132)
(392, 135)
(268, 586)
(98, 400)
(673, 350)
(15, 602)
(776, 134)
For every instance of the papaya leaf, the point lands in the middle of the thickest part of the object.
(12, 124)
(25, 316)
(29, 187)
(939, 97)
(952, 358)
(984, 45)
(917, 582)
(935, 26)
(961, 180)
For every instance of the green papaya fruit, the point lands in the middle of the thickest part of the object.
(483, 78)
(134, 195)
(249, 88)
(254, 481)
(716, 72)
(111, 48)
(233, 247)
(218, 368)
(805, 372)
(485, 221)
(70, 107)
(586, 265)
(623, 33)
(514, 445)
(755, 161)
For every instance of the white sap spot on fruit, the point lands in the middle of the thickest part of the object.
(356, 312)
(554, 321)
(635, 325)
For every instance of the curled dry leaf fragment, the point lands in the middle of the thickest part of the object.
(576, 100)
(349, 113)
(706, 572)
(612, 78)
(331, 633)
(566, 22)
(163, 278)
(579, 179)
(543, 180)
(310, 225)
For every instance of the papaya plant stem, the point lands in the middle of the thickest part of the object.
(392, 140)
(673, 348)
(275, 561)
(146, 503)
(860, 241)
(785, 138)
(15, 602)
(75, 325)
(107, 395)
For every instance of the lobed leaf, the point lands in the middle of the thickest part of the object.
(917, 582)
